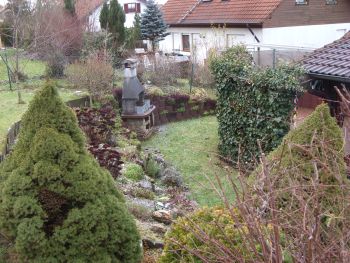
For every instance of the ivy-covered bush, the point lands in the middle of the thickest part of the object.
(253, 104)
(195, 233)
(56, 203)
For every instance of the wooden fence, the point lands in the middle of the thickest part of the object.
(13, 132)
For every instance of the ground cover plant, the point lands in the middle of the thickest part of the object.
(192, 147)
(253, 104)
(56, 203)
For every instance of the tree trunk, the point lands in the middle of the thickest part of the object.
(16, 75)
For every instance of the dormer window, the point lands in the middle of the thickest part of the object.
(301, 2)
(132, 8)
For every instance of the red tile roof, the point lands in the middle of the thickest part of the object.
(197, 12)
(332, 60)
(83, 8)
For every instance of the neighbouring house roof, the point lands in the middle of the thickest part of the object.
(199, 12)
(84, 8)
(332, 60)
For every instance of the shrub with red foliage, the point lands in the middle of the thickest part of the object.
(108, 157)
(98, 125)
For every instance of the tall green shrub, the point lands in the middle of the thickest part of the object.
(253, 104)
(56, 203)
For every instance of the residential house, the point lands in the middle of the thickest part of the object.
(196, 26)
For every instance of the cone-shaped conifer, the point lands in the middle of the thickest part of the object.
(56, 203)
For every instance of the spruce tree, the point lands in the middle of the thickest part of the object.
(56, 203)
(104, 16)
(69, 5)
(153, 27)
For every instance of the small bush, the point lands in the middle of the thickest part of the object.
(307, 175)
(163, 72)
(192, 234)
(94, 74)
(151, 167)
(133, 172)
(55, 65)
(203, 77)
(140, 212)
(142, 193)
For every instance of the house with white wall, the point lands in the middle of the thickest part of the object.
(90, 10)
(196, 26)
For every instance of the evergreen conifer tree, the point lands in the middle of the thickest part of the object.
(56, 203)
(116, 20)
(69, 5)
(104, 16)
(137, 27)
(153, 27)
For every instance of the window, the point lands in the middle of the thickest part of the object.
(132, 8)
(186, 43)
(331, 2)
(301, 2)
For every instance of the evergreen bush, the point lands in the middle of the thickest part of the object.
(253, 104)
(191, 236)
(307, 176)
(56, 203)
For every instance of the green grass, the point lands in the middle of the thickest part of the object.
(31, 68)
(192, 147)
(11, 111)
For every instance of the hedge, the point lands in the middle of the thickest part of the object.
(254, 104)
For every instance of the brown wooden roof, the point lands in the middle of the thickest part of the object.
(332, 60)
(197, 12)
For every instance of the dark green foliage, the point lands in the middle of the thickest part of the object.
(69, 5)
(152, 168)
(116, 20)
(104, 15)
(112, 19)
(56, 203)
(153, 27)
(253, 104)
(134, 33)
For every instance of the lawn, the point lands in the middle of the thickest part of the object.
(31, 68)
(11, 111)
(192, 147)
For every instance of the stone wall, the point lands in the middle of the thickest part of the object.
(176, 107)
